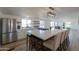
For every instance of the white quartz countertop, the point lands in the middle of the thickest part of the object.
(45, 34)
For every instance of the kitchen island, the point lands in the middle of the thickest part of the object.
(38, 37)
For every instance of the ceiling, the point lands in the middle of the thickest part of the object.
(40, 11)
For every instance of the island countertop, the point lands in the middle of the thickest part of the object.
(45, 34)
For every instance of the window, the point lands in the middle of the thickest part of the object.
(67, 24)
(23, 22)
(51, 24)
(42, 24)
(26, 23)
(56, 23)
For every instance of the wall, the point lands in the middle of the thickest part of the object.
(22, 32)
(68, 18)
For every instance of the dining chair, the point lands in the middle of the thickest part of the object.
(63, 36)
(53, 43)
(64, 40)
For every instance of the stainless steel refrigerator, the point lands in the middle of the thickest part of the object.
(9, 33)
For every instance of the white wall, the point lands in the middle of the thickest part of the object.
(22, 32)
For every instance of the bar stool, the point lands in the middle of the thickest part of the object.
(66, 40)
(62, 40)
(53, 43)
